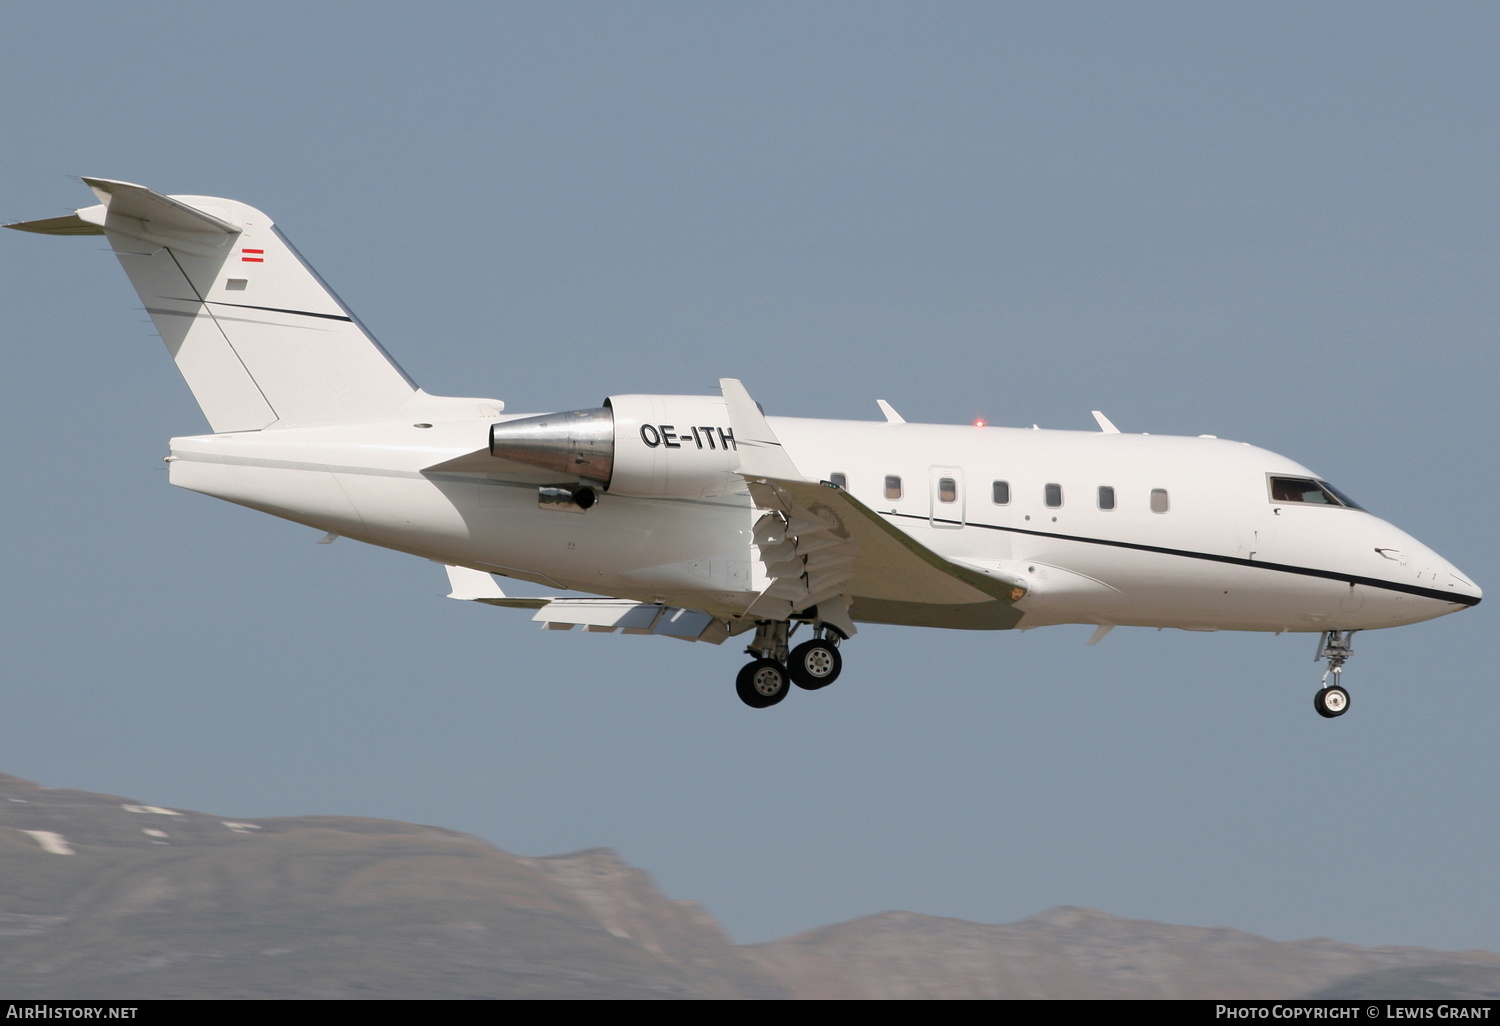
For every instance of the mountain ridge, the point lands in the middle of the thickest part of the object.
(110, 897)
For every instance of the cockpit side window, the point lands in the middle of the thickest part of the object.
(1308, 491)
(1344, 499)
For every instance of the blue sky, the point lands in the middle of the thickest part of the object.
(1272, 222)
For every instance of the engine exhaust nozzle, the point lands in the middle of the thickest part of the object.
(578, 443)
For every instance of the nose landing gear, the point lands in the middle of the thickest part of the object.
(814, 664)
(1331, 699)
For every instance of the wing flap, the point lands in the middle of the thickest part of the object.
(890, 564)
(822, 547)
(599, 615)
(610, 614)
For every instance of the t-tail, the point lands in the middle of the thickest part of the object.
(259, 337)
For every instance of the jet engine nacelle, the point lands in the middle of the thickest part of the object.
(645, 446)
(672, 446)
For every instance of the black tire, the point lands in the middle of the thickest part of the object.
(815, 664)
(762, 684)
(1331, 702)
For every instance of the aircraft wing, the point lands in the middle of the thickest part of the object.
(597, 615)
(823, 547)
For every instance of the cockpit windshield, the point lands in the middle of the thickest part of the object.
(1310, 491)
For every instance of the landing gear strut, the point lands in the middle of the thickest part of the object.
(764, 682)
(1336, 647)
(814, 664)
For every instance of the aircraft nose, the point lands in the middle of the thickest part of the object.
(1443, 577)
(1464, 590)
(1433, 586)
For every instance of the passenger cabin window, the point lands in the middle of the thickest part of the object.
(892, 486)
(840, 480)
(1159, 500)
(1310, 491)
(1106, 497)
(1054, 496)
(947, 490)
(1000, 491)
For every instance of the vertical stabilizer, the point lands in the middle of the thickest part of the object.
(258, 336)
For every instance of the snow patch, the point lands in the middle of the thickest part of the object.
(153, 833)
(240, 828)
(151, 809)
(57, 844)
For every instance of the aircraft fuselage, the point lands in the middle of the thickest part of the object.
(1211, 549)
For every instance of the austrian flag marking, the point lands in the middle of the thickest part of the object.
(253, 256)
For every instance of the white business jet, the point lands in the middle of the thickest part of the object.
(698, 517)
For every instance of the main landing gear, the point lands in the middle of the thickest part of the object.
(1331, 699)
(814, 664)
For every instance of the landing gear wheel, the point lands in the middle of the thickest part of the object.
(1331, 701)
(762, 684)
(815, 664)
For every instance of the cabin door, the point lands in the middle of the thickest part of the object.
(946, 489)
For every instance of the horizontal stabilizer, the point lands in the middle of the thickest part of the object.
(71, 224)
(165, 214)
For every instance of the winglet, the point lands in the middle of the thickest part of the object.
(1104, 423)
(478, 586)
(761, 454)
(891, 416)
(472, 585)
